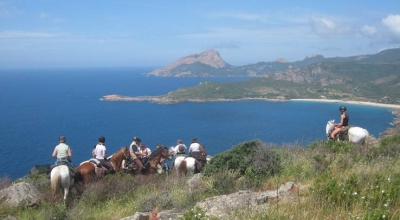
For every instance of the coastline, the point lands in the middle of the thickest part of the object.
(351, 102)
(395, 111)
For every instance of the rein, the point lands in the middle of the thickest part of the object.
(123, 151)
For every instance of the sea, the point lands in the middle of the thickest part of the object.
(39, 105)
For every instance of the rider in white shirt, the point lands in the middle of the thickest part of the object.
(180, 148)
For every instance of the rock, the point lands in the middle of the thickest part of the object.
(195, 183)
(138, 216)
(41, 169)
(20, 194)
(222, 206)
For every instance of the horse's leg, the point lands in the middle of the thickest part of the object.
(182, 169)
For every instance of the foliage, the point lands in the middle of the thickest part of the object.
(389, 147)
(196, 214)
(342, 182)
(221, 182)
(251, 157)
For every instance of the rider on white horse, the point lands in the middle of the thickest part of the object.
(195, 152)
(63, 153)
(180, 149)
(344, 122)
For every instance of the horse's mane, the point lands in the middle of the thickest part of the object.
(157, 152)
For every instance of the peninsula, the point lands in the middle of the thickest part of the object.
(365, 79)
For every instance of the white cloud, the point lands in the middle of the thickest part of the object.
(368, 30)
(323, 26)
(44, 15)
(392, 22)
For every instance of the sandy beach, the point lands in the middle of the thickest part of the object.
(350, 102)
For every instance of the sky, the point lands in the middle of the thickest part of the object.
(128, 33)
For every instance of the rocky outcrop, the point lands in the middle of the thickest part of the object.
(210, 58)
(41, 169)
(221, 206)
(20, 194)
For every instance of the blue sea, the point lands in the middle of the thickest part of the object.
(39, 105)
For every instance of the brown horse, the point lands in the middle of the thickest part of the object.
(154, 159)
(87, 170)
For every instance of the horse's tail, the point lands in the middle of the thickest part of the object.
(365, 144)
(182, 168)
(55, 181)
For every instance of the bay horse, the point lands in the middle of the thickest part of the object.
(87, 169)
(356, 135)
(61, 179)
(150, 168)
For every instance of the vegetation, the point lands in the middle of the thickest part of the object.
(373, 78)
(334, 180)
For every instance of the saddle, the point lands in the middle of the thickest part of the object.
(96, 162)
(72, 170)
(343, 135)
(201, 160)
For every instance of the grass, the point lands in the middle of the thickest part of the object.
(334, 180)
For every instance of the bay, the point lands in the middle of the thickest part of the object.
(39, 105)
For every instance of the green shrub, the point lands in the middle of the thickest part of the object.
(340, 193)
(237, 158)
(249, 157)
(389, 147)
(221, 182)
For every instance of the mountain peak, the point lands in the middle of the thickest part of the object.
(209, 57)
(315, 56)
(280, 60)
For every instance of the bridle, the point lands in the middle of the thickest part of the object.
(127, 155)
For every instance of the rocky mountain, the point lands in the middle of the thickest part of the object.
(367, 78)
(203, 64)
(210, 63)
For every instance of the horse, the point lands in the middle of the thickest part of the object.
(356, 135)
(151, 167)
(88, 170)
(61, 178)
(184, 164)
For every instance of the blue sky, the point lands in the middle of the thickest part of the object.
(127, 33)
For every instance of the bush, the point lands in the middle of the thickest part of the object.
(389, 147)
(237, 159)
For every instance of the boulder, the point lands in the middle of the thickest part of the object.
(41, 169)
(20, 194)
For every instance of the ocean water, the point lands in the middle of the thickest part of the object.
(37, 106)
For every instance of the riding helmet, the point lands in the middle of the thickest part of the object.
(102, 139)
(342, 108)
(62, 139)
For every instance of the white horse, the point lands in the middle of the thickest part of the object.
(357, 135)
(61, 178)
(184, 165)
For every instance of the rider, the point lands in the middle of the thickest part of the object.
(62, 152)
(145, 153)
(344, 121)
(163, 163)
(180, 148)
(134, 150)
(100, 154)
(195, 151)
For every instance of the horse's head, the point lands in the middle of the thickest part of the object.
(126, 153)
(329, 126)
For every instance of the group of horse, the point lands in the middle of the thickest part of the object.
(88, 171)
